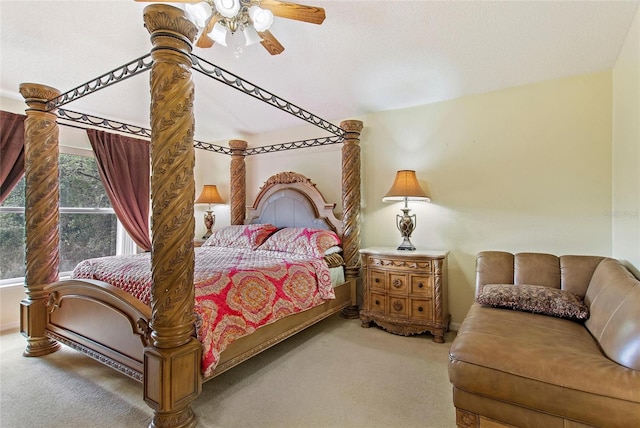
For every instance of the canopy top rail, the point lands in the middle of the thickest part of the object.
(316, 142)
(114, 125)
(114, 76)
(144, 63)
(261, 94)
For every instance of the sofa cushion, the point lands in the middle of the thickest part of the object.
(613, 298)
(546, 363)
(537, 268)
(493, 267)
(534, 298)
(576, 273)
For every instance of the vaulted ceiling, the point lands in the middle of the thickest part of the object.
(367, 56)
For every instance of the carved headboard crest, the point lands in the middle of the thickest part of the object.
(287, 177)
(289, 199)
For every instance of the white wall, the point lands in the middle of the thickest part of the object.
(626, 151)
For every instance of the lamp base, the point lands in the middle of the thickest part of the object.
(406, 223)
(406, 245)
(209, 221)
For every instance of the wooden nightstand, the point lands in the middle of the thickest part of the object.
(198, 242)
(405, 292)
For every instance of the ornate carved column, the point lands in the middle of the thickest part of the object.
(238, 181)
(172, 362)
(42, 215)
(351, 206)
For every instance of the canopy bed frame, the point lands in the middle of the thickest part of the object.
(155, 344)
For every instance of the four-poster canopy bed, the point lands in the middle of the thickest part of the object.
(156, 343)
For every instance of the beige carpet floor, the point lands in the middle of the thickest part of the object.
(334, 374)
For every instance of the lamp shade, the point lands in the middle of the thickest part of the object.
(251, 36)
(219, 34)
(227, 8)
(199, 13)
(406, 187)
(262, 18)
(209, 195)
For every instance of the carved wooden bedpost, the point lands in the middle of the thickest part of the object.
(42, 215)
(172, 361)
(238, 181)
(351, 207)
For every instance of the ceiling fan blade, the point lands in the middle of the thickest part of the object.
(204, 41)
(270, 43)
(299, 12)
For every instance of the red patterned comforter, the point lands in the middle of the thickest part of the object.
(237, 290)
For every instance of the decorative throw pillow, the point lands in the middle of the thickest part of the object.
(301, 240)
(240, 236)
(538, 299)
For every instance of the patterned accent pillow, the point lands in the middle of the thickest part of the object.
(301, 240)
(240, 236)
(538, 299)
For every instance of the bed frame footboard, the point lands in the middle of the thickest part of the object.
(101, 321)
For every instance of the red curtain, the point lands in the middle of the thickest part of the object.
(11, 151)
(123, 163)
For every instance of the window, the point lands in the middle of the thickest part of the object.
(88, 225)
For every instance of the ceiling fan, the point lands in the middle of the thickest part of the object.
(217, 18)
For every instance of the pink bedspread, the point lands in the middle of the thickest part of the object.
(237, 290)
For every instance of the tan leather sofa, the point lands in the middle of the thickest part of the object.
(523, 369)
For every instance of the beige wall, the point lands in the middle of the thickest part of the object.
(626, 151)
(522, 169)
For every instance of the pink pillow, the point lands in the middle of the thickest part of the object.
(301, 240)
(240, 236)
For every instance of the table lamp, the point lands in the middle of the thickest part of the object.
(209, 196)
(406, 188)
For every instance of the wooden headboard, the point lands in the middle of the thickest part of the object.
(289, 199)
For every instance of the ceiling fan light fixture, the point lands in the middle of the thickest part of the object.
(262, 18)
(219, 34)
(199, 13)
(251, 37)
(227, 8)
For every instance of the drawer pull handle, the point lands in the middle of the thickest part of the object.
(377, 302)
(420, 285)
(376, 280)
(397, 283)
(420, 309)
(397, 306)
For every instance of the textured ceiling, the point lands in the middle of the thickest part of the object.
(367, 56)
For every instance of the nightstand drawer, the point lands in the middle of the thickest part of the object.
(421, 309)
(398, 307)
(376, 280)
(397, 283)
(378, 303)
(422, 286)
